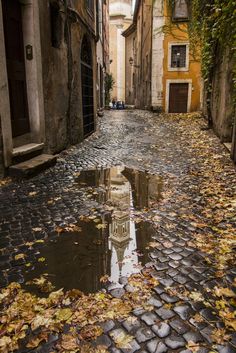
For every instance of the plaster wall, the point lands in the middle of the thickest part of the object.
(129, 69)
(157, 55)
(192, 73)
(120, 20)
(144, 54)
(120, 8)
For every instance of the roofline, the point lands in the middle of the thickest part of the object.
(132, 27)
(129, 30)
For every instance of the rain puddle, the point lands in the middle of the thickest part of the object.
(112, 245)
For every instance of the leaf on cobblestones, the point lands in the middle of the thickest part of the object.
(69, 343)
(122, 340)
(225, 292)
(35, 341)
(20, 256)
(5, 181)
(153, 244)
(70, 228)
(101, 226)
(63, 314)
(41, 259)
(198, 318)
(193, 347)
(44, 285)
(196, 296)
(220, 336)
(168, 244)
(32, 193)
(104, 279)
(90, 332)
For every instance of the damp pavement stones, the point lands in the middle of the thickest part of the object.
(32, 209)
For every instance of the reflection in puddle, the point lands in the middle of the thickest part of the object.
(113, 245)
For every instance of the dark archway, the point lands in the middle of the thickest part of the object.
(87, 86)
(14, 43)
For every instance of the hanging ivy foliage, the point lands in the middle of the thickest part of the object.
(213, 28)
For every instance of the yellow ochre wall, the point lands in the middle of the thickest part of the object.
(177, 33)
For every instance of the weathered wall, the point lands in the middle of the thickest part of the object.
(144, 54)
(62, 73)
(120, 19)
(157, 55)
(1, 153)
(129, 69)
(222, 97)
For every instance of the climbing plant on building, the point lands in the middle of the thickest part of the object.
(109, 83)
(212, 29)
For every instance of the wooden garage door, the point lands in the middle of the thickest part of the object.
(178, 98)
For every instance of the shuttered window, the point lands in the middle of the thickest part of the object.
(178, 56)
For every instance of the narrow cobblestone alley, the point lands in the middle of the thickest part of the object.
(179, 247)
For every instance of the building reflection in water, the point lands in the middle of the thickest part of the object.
(80, 259)
(128, 189)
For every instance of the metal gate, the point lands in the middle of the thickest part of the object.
(87, 87)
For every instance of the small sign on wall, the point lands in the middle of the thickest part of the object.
(29, 52)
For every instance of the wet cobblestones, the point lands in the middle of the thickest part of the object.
(30, 210)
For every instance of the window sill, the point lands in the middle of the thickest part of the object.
(180, 19)
(178, 69)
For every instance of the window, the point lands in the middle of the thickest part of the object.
(178, 56)
(180, 10)
(90, 5)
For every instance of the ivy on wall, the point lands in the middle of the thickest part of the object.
(212, 33)
(213, 28)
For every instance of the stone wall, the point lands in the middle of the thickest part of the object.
(1, 153)
(222, 97)
(62, 73)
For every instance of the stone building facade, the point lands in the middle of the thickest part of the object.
(219, 105)
(120, 20)
(48, 74)
(166, 73)
(103, 63)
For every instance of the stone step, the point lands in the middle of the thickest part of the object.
(28, 148)
(28, 151)
(32, 166)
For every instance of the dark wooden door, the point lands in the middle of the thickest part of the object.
(178, 98)
(13, 33)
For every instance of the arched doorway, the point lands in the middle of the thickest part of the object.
(87, 86)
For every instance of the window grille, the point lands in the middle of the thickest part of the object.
(178, 56)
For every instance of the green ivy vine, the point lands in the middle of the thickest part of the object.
(213, 28)
(212, 33)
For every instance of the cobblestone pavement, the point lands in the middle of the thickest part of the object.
(179, 149)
